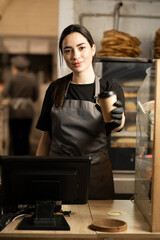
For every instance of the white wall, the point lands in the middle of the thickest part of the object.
(29, 18)
(143, 26)
(140, 18)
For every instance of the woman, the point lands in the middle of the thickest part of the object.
(70, 119)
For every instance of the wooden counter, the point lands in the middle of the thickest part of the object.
(81, 218)
(78, 221)
(137, 227)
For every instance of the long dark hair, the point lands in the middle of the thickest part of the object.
(61, 84)
(75, 28)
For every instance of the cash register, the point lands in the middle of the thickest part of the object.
(42, 185)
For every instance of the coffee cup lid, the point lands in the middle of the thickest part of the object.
(106, 94)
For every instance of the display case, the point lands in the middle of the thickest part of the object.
(147, 171)
(129, 73)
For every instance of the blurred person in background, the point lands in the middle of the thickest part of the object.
(22, 89)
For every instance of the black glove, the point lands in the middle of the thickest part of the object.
(116, 114)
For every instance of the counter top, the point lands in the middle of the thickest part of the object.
(81, 219)
(137, 227)
(78, 221)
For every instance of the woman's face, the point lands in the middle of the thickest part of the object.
(77, 52)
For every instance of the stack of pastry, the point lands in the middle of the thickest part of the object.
(157, 45)
(119, 44)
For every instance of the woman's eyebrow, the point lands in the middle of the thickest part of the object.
(76, 45)
(67, 47)
(80, 44)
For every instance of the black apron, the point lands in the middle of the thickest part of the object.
(78, 130)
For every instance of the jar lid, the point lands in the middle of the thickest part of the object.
(106, 94)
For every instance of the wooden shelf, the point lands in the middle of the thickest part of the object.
(122, 145)
(124, 134)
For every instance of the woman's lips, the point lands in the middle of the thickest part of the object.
(77, 64)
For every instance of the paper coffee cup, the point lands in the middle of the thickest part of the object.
(106, 101)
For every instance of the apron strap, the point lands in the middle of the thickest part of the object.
(67, 89)
(97, 86)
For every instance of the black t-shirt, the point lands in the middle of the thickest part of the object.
(77, 92)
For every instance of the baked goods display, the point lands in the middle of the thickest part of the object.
(119, 44)
(157, 45)
(148, 106)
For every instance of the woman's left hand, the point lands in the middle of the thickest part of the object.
(117, 112)
(118, 116)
